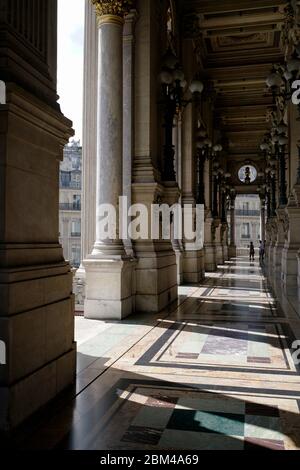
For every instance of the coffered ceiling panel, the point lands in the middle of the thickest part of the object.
(238, 42)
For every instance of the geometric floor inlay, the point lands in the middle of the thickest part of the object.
(153, 418)
(215, 371)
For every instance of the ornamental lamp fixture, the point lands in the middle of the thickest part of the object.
(264, 147)
(196, 86)
(217, 148)
(274, 80)
(208, 142)
(275, 139)
(173, 85)
(293, 65)
(170, 60)
(200, 144)
(283, 140)
(178, 76)
(201, 133)
(166, 77)
(282, 128)
(287, 75)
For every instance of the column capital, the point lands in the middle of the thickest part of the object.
(112, 11)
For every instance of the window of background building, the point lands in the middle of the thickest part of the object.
(76, 227)
(76, 180)
(246, 206)
(246, 231)
(77, 201)
(65, 179)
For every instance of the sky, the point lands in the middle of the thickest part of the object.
(70, 61)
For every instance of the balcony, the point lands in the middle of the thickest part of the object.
(70, 207)
(73, 186)
(247, 213)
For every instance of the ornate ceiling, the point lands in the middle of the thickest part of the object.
(238, 41)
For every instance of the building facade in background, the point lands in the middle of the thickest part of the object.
(70, 183)
(248, 221)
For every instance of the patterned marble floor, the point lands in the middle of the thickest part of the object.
(213, 371)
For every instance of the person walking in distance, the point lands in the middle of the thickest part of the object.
(252, 252)
(261, 251)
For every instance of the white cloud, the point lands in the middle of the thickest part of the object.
(70, 60)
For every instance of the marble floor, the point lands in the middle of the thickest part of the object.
(213, 371)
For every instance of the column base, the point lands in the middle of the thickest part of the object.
(110, 288)
(276, 275)
(232, 251)
(193, 266)
(225, 253)
(219, 254)
(20, 400)
(156, 276)
(210, 258)
(179, 263)
(290, 270)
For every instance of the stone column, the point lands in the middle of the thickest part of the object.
(128, 111)
(292, 243)
(156, 278)
(109, 272)
(209, 245)
(263, 220)
(232, 247)
(89, 148)
(275, 274)
(193, 262)
(178, 244)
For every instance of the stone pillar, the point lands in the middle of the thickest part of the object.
(219, 242)
(209, 244)
(178, 244)
(225, 247)
(232, 247)
(128, 112)
(193, 262)
(263, 220)
(275, 274)
(292, 244)
(156, 278)
(272, 238)
(89, 148)
(36, 301)
(109, 271)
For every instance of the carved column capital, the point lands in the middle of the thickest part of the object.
(112, 11)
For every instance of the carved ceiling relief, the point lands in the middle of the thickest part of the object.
(234, 49)
(243, 39)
